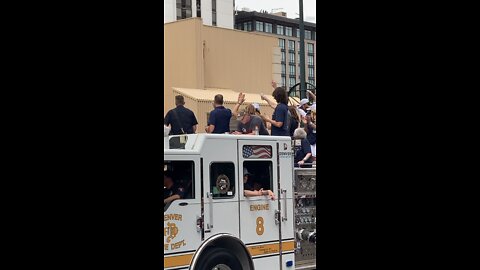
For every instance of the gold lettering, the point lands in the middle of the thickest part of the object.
(177, 245)
(165, 246)
(172, 217)
(260, 207)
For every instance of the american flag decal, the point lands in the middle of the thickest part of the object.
(257, 151)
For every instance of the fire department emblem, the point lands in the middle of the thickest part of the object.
(223, 184)
(171, 231)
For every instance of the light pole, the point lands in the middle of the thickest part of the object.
(303, 88)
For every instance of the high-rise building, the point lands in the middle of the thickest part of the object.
(288, 33)
(213, 12)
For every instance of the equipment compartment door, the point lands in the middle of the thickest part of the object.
(258, 227)
(220, 194)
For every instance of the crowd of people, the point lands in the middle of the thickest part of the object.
(297, 122)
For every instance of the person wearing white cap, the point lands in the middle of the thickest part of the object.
(248, 190)
(303, 106)
(256, 106)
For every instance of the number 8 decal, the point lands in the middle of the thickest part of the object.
(260, 228)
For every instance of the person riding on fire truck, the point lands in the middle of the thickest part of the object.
(171, 191)
(249, 190)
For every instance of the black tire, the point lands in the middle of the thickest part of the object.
(214, 256)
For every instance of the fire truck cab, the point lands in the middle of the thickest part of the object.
(214, 225)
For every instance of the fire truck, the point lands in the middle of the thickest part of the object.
(215, 226)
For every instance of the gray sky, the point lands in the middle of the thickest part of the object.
(289, 6)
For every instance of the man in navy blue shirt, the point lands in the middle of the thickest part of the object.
(181, 120)
(219, 121)
(281, 119)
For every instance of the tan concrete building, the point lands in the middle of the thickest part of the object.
(202, 61)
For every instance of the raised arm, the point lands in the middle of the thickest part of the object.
(241, 99)
(274, 84)
(312, 95)
(271, 103)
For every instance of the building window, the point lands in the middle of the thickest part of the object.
(284, 71)
(184, 9)
(279, 30)
(214, 12)
(268, 27)
(247, 26)
(298, 33)
(259, 26)
(284, 81)
(292, 81)
(292, 58)
(292, 70)
(199, 8)
(311, 82)
(310, 47)
(311, 72)
(310, 60)
(291, 45)
(308, 34)
(288, 31)
(283, 57)
(314, 35)
(281, 43)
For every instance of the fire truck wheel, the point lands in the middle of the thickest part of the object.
(218, 259)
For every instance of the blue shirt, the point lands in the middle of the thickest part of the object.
(220, 118)
(302, 148)
(281, 115)
(311, 137)
(180, 119)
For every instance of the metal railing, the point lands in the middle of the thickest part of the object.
(294, 93)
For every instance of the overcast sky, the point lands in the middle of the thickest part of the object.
(289, 6)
